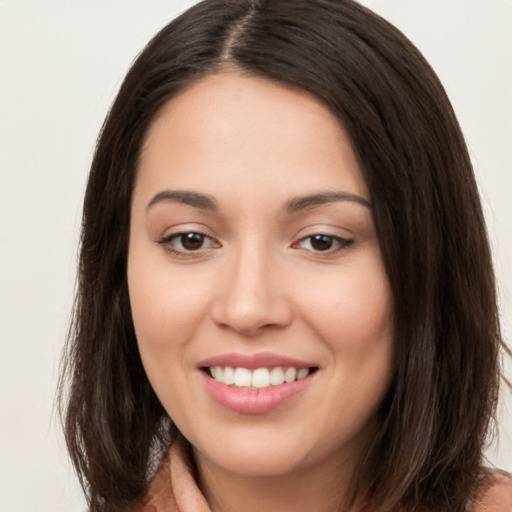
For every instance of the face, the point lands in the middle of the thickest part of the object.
(260, 301)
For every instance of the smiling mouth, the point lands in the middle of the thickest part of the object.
(258, 378)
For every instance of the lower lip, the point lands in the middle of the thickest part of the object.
(254, 401)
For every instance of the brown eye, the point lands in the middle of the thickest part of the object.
(191, 241)
(324, 243)
(321, 242)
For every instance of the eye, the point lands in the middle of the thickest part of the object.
(323, 243)
(189, 242)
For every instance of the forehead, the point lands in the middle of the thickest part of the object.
(231, 129)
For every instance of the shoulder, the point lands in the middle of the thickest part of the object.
(494, 493)
(160, 496)
(173, 487)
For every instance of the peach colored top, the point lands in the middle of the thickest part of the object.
(174, 489)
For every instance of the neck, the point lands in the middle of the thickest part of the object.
(322, 488)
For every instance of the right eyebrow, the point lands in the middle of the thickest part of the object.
(310, 201)
(203, 201)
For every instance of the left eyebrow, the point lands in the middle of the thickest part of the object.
(195, 199)
(310, 201)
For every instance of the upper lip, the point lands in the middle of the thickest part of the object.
(254, 361)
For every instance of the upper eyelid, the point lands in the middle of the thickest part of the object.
(171, 236)
(168, 238)
(180, 230)
(166, 243)
(338, 238)
(326, 226)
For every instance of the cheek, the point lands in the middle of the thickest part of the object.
(167, 311)
(166, 305)
(352, 312)
(354, 318)
(353, 308)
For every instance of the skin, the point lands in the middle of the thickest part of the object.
(257, 283)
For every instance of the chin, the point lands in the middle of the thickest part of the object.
(255, 461)
(266, 452)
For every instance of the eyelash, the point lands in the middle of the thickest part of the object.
(339, 244)
(167, 242)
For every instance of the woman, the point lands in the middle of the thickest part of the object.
(286, 297)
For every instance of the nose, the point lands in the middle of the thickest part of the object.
(251, 294)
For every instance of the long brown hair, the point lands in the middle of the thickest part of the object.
(426, 208)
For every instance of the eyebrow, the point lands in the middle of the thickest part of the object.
(195, 199)
(310, 201)
(206, 202)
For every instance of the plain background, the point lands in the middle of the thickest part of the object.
(61, 63)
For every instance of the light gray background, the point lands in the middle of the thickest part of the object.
(61, 62)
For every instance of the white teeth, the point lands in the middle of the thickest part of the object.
(259, 378)
(303, 372)
(229, 375)
(276, 376)
(218, 373)
(242, 378)
(290, 374)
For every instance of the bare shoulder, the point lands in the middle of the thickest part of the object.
(494, 493)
